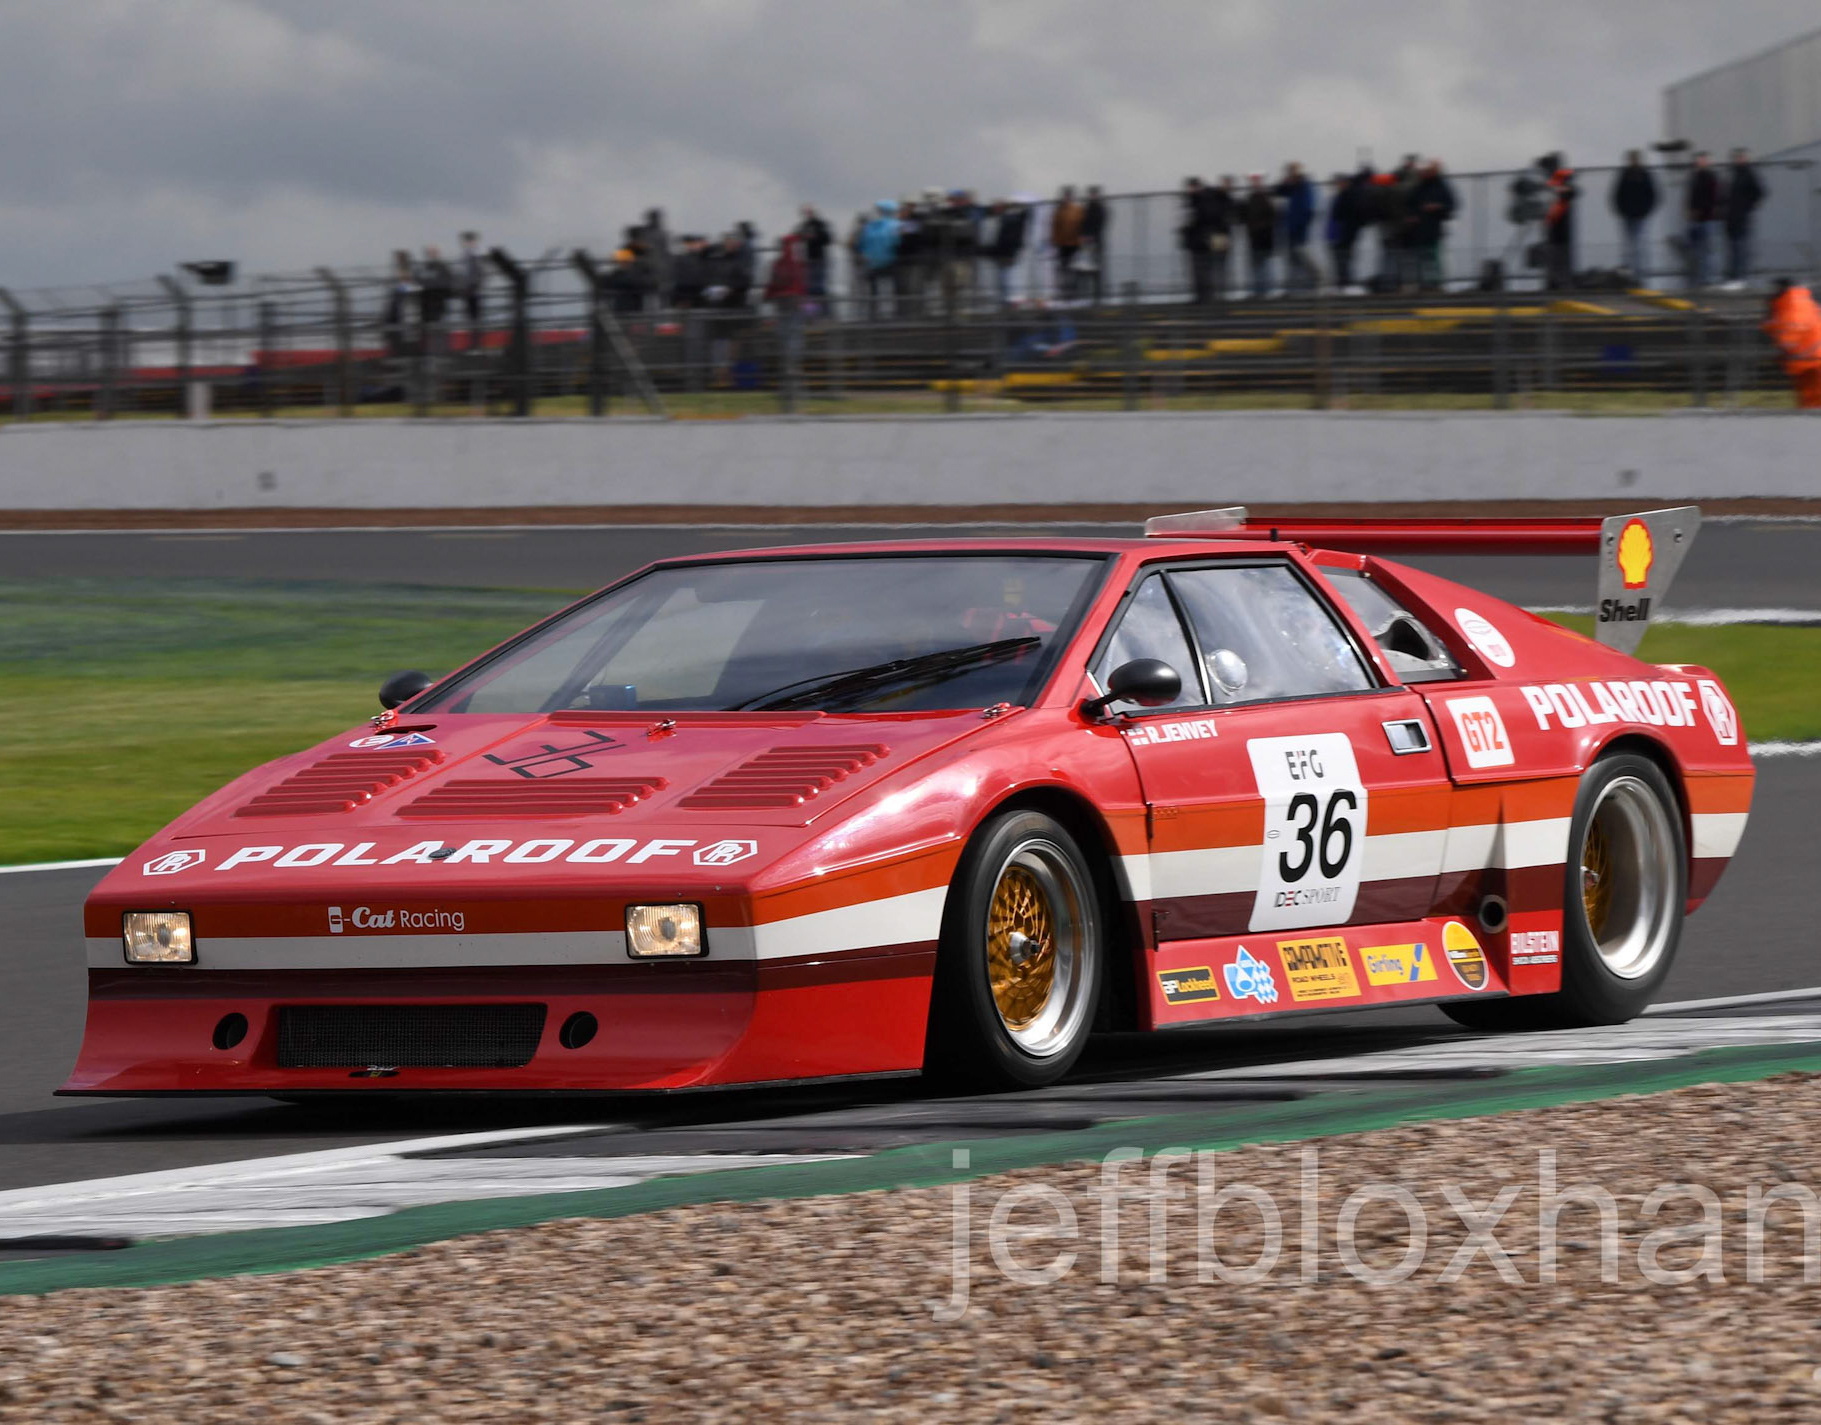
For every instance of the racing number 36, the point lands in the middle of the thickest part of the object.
(1315, 826)
(1334, 845)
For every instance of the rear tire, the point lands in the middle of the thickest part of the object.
(1019, 967)
(1623, 896)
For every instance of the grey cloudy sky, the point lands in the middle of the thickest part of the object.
(143, 132)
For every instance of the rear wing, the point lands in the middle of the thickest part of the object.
(1639, 554)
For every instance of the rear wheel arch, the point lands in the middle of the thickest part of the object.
(1660, 753)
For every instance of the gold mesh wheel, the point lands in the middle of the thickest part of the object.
(1596, 878)
(1037, 943)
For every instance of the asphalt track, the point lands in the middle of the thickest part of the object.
(1758, 933)
(1734, 564)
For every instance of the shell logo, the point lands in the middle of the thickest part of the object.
(1636, 554)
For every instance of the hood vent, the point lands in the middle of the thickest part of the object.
(783, 777)
(573, 796)
(340, 782)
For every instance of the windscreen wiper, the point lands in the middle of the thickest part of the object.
(932, 667)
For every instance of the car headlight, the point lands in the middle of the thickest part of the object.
(158, 937)
(662, 931)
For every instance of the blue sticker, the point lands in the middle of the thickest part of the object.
(1248, 977)
(393, 739)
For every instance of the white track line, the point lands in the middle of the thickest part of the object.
(1729, 1001)
(62, 865)
(338, 1185)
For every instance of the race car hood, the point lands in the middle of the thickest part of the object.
(521, 801)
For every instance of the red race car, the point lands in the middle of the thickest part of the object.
(871, 809)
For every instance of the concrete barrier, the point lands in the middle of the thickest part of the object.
(1183, 460)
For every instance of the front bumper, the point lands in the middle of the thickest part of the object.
(154, 1029)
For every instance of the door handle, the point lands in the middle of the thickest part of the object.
(1408, 735)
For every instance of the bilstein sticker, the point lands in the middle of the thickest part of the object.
(1465, 955)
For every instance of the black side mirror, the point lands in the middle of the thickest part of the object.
(402, 687)
(1149, 682)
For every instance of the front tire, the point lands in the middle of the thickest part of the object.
(1624, 892)
(1019, 967)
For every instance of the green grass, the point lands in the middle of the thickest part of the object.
(124, 701)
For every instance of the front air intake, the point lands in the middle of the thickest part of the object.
(340, 782)
(409, 1036)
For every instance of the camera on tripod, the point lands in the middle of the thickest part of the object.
(1529, 194)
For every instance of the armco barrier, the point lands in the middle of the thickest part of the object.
(1024, 459)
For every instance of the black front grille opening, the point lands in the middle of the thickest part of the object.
(409, 1036)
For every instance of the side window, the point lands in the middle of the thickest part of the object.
(1266, 635)
(1149, 628)
(1415, 654)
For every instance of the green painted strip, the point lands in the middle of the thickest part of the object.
(282, 1249)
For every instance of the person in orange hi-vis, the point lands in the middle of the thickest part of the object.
(1793, 322)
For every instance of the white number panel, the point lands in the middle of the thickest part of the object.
(1315, 830)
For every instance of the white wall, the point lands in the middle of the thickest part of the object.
(1179, 460)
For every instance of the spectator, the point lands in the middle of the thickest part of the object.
(817, 239)
(626, 280)
(1558, 228)
(1224, 205)
(1348, 213)
(1793, 322)
(436, 285)
(1389, 212)
(1701, 209)
(1094, 220)
(957, 243)
(879, 242)
(653, 241)
(689, 273)
(1010, 220)
(401, 294)
(913, 258)
(1743, 195)
(1196, 234)
(473, 282)
(787, 288)
(1298, 195)
(1432, 206)
(1634, 199)
(1261, 234)
(740, 259)
(1065, 238)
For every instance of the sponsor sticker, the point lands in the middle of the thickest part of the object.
(1318, 970)
(368, 919)
(393, 739)
(1636, 553)
(1464, 955)
(1535, 947)
(480, 851)
(1656, 702)
(1190, 986)
(1487, 641)
(725, 853)
(1249, 977)
(1397, 964)
(1482, 732)
(172, 862)
(1198, 729)
(1721, 716)
(1315, 830)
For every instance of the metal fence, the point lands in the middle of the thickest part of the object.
(553, 336)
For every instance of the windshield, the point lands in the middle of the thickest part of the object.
(877, 634)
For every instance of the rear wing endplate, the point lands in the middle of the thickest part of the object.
(1639, 553)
